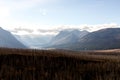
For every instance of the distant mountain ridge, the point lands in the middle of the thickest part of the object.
(108, 38)
(74, 39)
(8, 40)
(67, 37)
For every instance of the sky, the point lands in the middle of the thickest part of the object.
(50, 16)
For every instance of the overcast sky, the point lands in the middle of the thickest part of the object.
(30, 15)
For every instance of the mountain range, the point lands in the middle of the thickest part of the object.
(70, 39)
(108, 38)
(67, 36)
(8, 40)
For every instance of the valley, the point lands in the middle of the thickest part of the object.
(59, 40)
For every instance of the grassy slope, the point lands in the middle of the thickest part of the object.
(17, 64)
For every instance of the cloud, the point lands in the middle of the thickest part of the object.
(98, 27)
(53, 30)
(24, 29)
(34, 31)
(44, 31)
(17, 30)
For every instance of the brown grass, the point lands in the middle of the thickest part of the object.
(31, 64)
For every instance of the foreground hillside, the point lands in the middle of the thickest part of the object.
(17, 64)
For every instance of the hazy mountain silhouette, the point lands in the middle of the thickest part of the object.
(108, 38)
(8, 40)
(102, 39)
(74, 39)
(66, 37)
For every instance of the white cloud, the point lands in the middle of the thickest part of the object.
(45, 30)
(35, 32)
(98, 27)
(19, 29)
